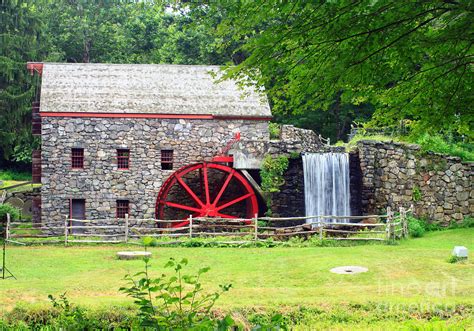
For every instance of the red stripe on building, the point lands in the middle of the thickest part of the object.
(135, 115)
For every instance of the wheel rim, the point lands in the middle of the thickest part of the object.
(206, 190)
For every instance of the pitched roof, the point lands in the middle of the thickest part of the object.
(146, 89)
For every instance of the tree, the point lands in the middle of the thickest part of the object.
(411, 60)
(20, 35)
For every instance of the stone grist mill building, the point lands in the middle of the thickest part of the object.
(169, 141)
(137, 139)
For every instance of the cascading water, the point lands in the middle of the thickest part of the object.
(326, 185)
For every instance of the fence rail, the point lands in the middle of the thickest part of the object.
(387, 227)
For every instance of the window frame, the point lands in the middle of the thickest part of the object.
(167, 159)
(123, 158)
(77, 158)
(118, 208)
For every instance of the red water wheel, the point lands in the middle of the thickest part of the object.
(205, 190)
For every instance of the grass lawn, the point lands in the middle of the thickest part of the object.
(416, 271)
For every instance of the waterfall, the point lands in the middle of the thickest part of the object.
(326, 184)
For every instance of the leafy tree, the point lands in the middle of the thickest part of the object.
(411, 60)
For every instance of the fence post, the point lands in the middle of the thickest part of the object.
(190, 226)
(403, 220)
(126, 228)
(320, 224)
(66, 219)
(389, 224)
(7, 230)
(256, 227)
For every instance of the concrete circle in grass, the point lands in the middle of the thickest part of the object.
(133, 255)
(349, 270)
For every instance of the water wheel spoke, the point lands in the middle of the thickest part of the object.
(232, 202)
(188, 189)
(224, 186)
(180, 206)
(206, 183)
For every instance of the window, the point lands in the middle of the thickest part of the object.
(77, 158)
(166, 159)
(123, 158)
(122, 208)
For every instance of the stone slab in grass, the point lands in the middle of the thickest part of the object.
(133, 255)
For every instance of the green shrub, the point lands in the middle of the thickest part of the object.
(272, 172)
(6, 208)
(456, 259)
(14, 175)
(416, 227)
(467, 222)
(174, 301)
(439, 144)
(416, 194)
(274, 130)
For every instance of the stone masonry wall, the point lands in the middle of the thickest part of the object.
(393, 174)
(100, 183)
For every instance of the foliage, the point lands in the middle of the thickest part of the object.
(272, 172)
(467, 222)
(352, 315)
(439, 144)
(174, 302)
(428, 143)
(275, 130)
(416, 194)
(456, 259)
(416, 227)
(14, 175)
(6, 208)
(21, 35)
(70, 316)
(411, 61)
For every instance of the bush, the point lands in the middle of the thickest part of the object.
(275, 130)
(416, 227)
(467, 222)
(14, 175)
(5, 209)
(439, 144)
(175, 301)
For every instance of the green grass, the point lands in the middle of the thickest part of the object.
(416, 271)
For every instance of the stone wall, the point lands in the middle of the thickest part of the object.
(100, 183)
(289, 202)
(394, 174)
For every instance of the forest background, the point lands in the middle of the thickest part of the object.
(405, 67)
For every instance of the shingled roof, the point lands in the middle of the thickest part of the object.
(146, 89)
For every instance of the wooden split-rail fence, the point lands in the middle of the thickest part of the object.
(387, 227)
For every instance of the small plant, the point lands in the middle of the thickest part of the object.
(72, 317)
(456, 259)
(416, 194)
(272, 173)
(5, 209)
(467, 222)
(174, 302)
(274, 130)
(416, 227)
